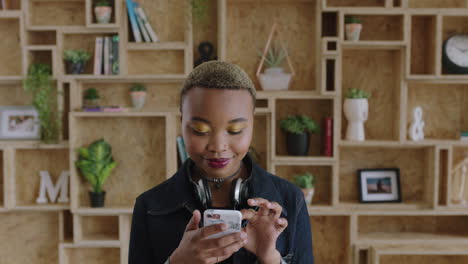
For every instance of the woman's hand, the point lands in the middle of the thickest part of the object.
(263, 229)
(196, 248)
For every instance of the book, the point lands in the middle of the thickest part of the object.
(133, 21)
(141, 25)
(5, 4)
(115, 55)
(107, 43)
(148, 27)
(98, 56)
(181, 149)
(327, 136)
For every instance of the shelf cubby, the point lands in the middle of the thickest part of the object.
(261, 134)
(46, 37)
(423, 45)
(436, 4)
(323, 180)
(75, 254)
(452, 25)
(355, 3)
(316, 108)
(40, 55)
(417, 258)
(330, 24)
(451, 100)
(92, 21)
(141, 159)
(416, 175)
(381, 27)
(10, 48)
(456, 189)
(384, 87)
(66, 104)
(159, 94)
(29, 237)
(332, 233)
(82, 41)
(56, 13)
(28, 163)
(156, 62)
(97, 229)
(66, 226)
(167, 18)
(247, 34)
(2, 179)
(12, 5)
(437, 228)
(329, 73)
(13, 94)
(444, 175)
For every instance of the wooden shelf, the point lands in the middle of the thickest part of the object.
(157, 46)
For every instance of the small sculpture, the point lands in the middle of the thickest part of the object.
(206, 50)
(416, 131)
(459, 177)
(47, 186)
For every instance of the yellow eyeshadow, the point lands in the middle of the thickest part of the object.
(235, 128)
(202, 128)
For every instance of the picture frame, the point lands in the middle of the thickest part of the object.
(19, 122)
(379, 185)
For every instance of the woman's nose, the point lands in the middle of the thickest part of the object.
(217, 143)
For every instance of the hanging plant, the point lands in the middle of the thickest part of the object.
(39, 83)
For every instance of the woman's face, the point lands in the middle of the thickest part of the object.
(217, 127)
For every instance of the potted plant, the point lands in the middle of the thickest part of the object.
(356, 110)
(39, 82)
(297, 128)
(76, 60)
(91, 98)
(274, 77)
(96, 164)
(138, 94)
(306, 181)
(103, 11)
(353, 27)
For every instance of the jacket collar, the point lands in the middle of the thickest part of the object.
(182, 193)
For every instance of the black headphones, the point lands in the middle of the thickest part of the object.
(239, 193)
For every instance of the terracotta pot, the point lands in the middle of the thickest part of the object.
(308, 195)
(103, 14)
(138, 99)
(353, 31)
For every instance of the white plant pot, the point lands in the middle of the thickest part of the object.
(103, 14)
(138, 99)
(308, 195)
(356, 112)
(274, 79)
(353, 31)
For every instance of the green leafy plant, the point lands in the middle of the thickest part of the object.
(96, 163)
(299, 124)
(199, 9)
(304, 180)
(138, 88)
(91, 94)
(354, 93)
(103, 3)
(352, 20)
(39, 82)
(76, 56)
(275, 56)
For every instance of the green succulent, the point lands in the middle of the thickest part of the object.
(39, 83)
(103, 3)
(138, 88)
(304, 180)
(91, 94)
(354, 93)
(96, 163)
(275, 56)
(76, 56)
(352, 20)
(299, 124)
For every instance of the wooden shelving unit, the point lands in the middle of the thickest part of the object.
(397, 60)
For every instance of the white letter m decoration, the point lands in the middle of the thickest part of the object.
(52, 191)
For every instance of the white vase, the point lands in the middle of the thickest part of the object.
(274, 79)
(138, 99)
(103, 14)
(353, 31)
(356, 112)
(308, 195)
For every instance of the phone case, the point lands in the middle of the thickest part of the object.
(232, 218)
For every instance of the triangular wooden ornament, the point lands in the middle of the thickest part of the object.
(274, 29)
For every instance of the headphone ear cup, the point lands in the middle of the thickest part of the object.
(203, 193)
(235, 193)
(207, 189)
(244, 194)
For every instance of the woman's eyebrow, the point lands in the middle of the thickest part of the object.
(195, 118)
(240, 119)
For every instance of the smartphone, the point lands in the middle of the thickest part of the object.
(232, 218)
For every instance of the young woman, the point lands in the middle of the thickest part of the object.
(217, 105)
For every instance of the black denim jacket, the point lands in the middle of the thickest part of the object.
(161, 214)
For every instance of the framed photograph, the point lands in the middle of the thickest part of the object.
(19, 122)
(379, 185)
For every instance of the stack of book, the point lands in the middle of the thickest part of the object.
(464, 136)
(106, 55)
(5, 4)
(139, 24)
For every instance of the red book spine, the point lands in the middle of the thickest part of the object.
(327, 140)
